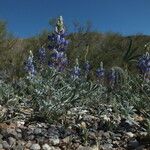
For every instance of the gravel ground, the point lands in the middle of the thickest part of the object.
(79, 129)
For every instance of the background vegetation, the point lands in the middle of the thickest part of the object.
(107, 47)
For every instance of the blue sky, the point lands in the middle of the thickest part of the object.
(28, 17)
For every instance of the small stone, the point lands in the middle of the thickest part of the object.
(55, 141)
(37, 131)
(19, 135)
(107, 146)
(5, 145)
(35, 147)
(12, 132)
(28, 144)
(140, 147)
(12, 141)
(66, 139)
(40, 139)
(1, 146)
(20, 123)
(18, 130)
(133, 144)
(130, 134)
(1, 136)
(106, 135)
(143, 133)
(84, 148)
(31, 137)
(92, 135)
(46, 147)
(19, 147)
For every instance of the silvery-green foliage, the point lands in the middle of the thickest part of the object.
(6, 92)
(8, 99)
(53, 93)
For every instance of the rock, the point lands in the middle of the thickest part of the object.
(35, 147)
(12, 141)
(20, 123)
(107, 146)
(42, 125)
(19, 147)
(38, 131)
(106, 135)
(40, 139)
(133, 144)
(12, 132)
(1, 136)
(140, 147)
(92, 135)
(19, 135)
(54, 141)
(130, 134)
(5, 145)
(47, 147)
(18, 130)
(84, 148)
(66, 139)
(116, 136)
(31, 137)
(1, 146)
(28, 144)
(52, 131)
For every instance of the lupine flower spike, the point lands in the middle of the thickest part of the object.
(144, 66)
(112, 78)
(76, 72)
(87, 68)
(29, 64)
(100, 72)
(58, 56)
(42, 54)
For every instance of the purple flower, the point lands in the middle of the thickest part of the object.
(144, 66)
(144, 63)
(100, 72)
(112, 78)
(58, 46)
(42, 54)
(29, 65)
(76, 72)
(87, 66)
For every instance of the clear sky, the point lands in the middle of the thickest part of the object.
(28, 17)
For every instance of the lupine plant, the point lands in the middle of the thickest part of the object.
(54, 91)
(87, 68)
(29, 65)
(42, 54)
(76, 71)
(100, 73)
(112, 78)
(58, 46)
(144, 66)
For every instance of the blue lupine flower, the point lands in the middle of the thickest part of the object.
(76, 72)
(29, 64)
(100, 72)
(58, 46)
(87, 67)
(144, 63)
(42, 54)
(144, 66)
(112, 78)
